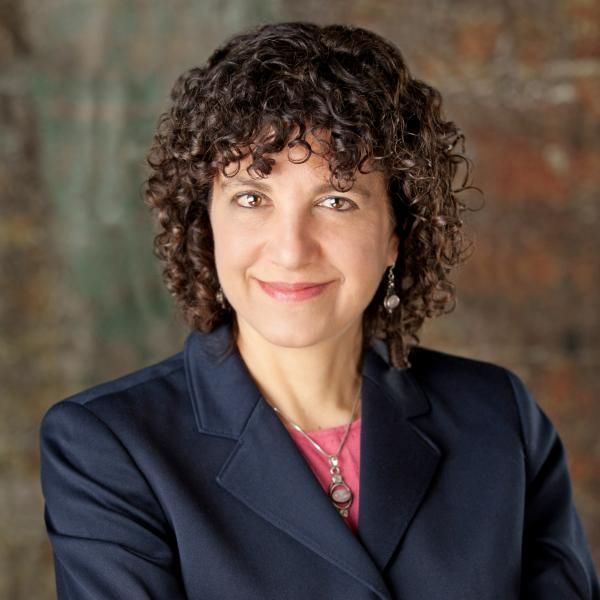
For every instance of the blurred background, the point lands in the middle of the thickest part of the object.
(82, 83)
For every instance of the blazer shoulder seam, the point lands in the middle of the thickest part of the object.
(103, 391)
(514, 394)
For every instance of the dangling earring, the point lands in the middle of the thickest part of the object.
(391, 300)
(221, 297)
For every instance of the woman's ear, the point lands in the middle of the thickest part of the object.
(393, 248)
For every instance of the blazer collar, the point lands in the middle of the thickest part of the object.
(268, 474)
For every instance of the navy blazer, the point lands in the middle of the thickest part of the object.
(180, 481)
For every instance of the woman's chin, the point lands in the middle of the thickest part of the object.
(287, 337)
(288, 333)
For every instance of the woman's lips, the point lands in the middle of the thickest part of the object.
(292, 292)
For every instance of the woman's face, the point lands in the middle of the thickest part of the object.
(277, 235)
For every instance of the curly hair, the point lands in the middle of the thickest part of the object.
(265, 90)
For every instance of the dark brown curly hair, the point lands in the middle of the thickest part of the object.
(268, 88)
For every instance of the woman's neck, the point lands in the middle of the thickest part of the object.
(316, 386)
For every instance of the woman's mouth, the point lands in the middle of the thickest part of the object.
(292, 292)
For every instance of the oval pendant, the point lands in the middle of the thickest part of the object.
(391, 302)
(341, 496)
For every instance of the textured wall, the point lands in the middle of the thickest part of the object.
(81, 85)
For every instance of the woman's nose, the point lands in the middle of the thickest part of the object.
(292, 240)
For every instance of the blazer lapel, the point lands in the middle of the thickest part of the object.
(398, 461)
(267, 473)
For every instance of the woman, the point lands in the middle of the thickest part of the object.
(302, 445)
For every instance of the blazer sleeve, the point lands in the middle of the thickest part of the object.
(108, 532)
(557, 561)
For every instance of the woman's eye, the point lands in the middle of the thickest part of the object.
(248, 200)
(339, 204)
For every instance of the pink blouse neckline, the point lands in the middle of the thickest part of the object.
(329, 431)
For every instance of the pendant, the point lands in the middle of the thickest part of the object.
(339, 492)
(391, 302)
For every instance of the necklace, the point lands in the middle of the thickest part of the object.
(339, 491)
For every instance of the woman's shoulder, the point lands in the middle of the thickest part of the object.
(468, 386)
(437, 368)
(165, 379)
(424, 357)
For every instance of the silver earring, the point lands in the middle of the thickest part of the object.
(391, 300)
(221, 297)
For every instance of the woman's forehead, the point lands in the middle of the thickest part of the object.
(311, 149)
(314, 169)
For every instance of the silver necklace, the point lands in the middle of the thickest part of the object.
(339, 492)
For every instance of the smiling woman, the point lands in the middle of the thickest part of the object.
(303, 445)
(296, 92)
(297, 264)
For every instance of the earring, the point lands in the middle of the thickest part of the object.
(221, 297)
(391, 300)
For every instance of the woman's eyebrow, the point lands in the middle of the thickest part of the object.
(228, 182)
(319, 189)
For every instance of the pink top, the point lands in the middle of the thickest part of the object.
(349, 459)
